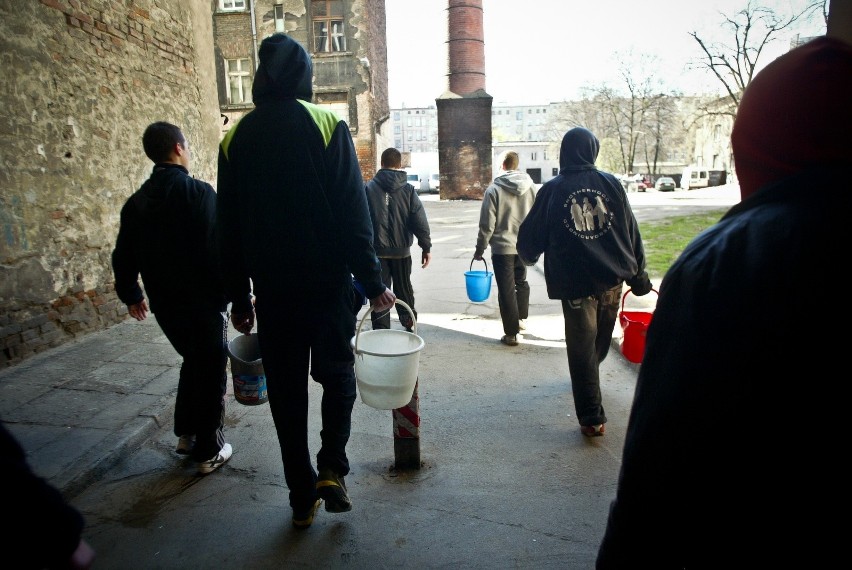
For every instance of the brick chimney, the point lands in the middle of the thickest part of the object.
(464, 111)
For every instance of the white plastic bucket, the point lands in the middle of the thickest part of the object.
(386, 363)
(247, 370)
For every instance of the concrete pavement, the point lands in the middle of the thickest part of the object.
(493, 417)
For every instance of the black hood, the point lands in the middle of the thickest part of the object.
(284, 72)
(579, 150)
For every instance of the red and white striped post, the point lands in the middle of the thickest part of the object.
(406, 433)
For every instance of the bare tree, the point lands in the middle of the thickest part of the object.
(734, 62)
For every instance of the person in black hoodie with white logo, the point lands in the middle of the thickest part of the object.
(582, 222)
(167, 237)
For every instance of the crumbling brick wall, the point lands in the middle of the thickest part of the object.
(82, 79)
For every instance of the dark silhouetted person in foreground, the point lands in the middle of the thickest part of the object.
(583, 223)
(293, 217)
(41, 529)
(733, 452)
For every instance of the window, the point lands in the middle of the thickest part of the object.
(278, 14)
(232, 5)
(239, 81)
(327, 17)
(533, 156)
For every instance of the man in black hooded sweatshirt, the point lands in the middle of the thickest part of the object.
(293, 217)
(398, 217)
(582, 222)
(167, 237)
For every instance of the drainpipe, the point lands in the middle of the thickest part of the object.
(253, 35)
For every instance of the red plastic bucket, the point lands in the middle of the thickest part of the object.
(635, 326)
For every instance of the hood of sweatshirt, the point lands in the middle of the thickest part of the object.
(155, 193)
(284, 70)
(579, 150)
(391, 180)
(515, 182)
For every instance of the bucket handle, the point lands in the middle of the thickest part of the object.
(483, 261)
(623, 297)
(364, 318)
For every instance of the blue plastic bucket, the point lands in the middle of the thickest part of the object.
(478, 283)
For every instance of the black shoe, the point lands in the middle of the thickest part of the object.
(509, 340)
(332, 490)
(304, 519)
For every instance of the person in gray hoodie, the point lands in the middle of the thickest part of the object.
(504, 206)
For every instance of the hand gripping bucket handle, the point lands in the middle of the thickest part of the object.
(635, 326)
(386, 363)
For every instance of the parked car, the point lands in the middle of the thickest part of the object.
(634, 183)
(665, 184)
(414, 180)
(434, 182)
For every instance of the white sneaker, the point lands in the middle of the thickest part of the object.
(522, 324)
(185, 444)
(221, 458)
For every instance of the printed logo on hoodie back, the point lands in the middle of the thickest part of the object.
(587, 213)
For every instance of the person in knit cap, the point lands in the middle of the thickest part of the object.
(293, 217)
(730, 458)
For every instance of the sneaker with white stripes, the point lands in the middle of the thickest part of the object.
(211, 465)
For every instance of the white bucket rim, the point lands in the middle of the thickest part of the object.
(358, 351)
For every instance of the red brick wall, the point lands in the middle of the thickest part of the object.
(466, 47)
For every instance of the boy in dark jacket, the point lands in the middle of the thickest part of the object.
(398, 217)
(166, 236)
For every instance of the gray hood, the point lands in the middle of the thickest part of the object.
(515, 182)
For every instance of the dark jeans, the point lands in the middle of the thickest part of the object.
(199, 335)
(589, 323)
(396, 274)
(295, 339)
(513, 291)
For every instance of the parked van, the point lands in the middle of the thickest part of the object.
(695, 177)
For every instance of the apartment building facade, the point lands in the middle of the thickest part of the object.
(347, 43)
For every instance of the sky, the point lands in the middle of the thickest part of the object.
(542, 51)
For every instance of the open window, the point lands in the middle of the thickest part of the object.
(328, 27)
(278, 15)
(239, 81)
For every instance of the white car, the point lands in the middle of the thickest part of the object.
(434, 182)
